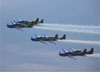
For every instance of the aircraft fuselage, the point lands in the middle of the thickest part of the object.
(44, 39)
(76, 53)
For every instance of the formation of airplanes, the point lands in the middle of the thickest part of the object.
(19, 24)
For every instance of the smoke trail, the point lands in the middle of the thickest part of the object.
(68, 29)
(91, 28)
(70, 26)
(97, 55)
(81, 42)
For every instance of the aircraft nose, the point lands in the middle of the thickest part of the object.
(60, 53)
(8, 25)
(32, 38)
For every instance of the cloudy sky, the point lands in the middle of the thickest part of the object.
(19, 54)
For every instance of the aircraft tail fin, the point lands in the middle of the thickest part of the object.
(32, 24)
(37, 20)
(64, 37)
(84, 52)
(56, 37)
(42, 21)
(91, 51)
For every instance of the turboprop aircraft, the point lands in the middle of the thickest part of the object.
(46, 38)
(74, 53)
(19, 24)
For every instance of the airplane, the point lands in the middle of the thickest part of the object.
(19, 24)
(76, 53)
(46, 38)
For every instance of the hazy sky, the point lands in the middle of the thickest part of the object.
(20, 54)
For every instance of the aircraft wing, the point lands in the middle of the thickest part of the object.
(19, 28)
(43, 41)
(73, 57)
(51, 41)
